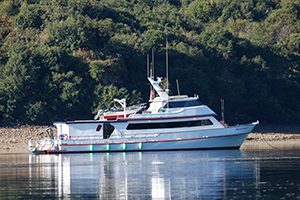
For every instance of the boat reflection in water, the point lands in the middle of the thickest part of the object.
(141, 175)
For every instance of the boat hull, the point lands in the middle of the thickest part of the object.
(226, 138)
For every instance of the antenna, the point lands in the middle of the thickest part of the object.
(177, 83)
(151, 74)
(222, 111)
(148, 68)
(152, 64)
(167, 65)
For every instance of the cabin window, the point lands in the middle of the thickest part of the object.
(205, 122)
(98, 128)
(182, 104)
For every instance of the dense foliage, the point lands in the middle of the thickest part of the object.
(63, 59)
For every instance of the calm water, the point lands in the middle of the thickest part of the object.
(229, 174)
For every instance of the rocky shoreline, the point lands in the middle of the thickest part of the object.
(15, 140)
(271, 141)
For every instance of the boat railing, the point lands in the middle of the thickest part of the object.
(163, 112)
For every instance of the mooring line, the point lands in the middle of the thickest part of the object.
(268, 142)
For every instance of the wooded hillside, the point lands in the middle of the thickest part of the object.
(65, 59)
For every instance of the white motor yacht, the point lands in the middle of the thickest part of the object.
(164, 123)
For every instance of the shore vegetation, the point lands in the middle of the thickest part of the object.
(65, 59)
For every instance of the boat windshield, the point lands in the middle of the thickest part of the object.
(185, 103)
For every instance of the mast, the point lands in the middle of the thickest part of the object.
(152, 74)
(222, 111)
(177, 84)
(148, 68)
(156, 86)
(167, 65)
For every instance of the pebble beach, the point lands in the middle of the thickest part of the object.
(15, 140)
